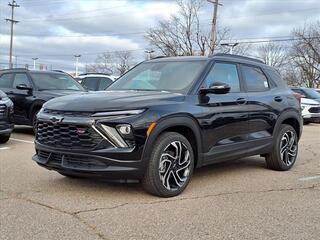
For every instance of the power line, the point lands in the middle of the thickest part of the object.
(13, 5)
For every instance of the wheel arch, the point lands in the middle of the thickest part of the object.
(291, 118)
(37, 105)
(184, 125)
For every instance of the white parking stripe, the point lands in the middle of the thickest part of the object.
(20, 140)
(309, 178)
(4, 148)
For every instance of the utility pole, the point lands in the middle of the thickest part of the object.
(214, 24)
(13, 5)
(77, 56)
(34, 62)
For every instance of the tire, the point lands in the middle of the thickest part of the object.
(4, 138)
(167, 174)
(285, 150)
(34, 120)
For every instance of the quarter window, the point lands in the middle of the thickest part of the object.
(225, 73)
(255, 79)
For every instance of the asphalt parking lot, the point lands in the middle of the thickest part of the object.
(234, 200)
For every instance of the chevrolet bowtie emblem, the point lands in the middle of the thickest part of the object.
(56, 119)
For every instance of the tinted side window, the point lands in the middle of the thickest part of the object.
(104, 83)
(276, 77)
(20, 78)
(255, 79)
(226, 73)
(91, 83)
(6, 80)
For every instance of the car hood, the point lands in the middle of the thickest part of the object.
(112, 100)
(58, 93)
(310, 101)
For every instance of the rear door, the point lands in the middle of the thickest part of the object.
(226, 121)
(265, 102)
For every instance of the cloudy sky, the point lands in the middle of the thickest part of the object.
(55, 30)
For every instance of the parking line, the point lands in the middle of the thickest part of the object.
(4, 148)
(309, 178)
(20, 140)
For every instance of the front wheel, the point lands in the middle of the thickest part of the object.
(170, 167)
(4, 138)
(285, 150)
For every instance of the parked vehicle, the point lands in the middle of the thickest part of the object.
(29, 90)
(167, 116)
(95, 81)
(317, 90)
(310, 104)
(6, 110)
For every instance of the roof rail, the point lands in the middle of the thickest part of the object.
(236, 56)
(14, 69)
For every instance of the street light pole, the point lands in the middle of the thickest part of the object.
(231, 45)
(77, 56)
(149, 53)
(34, 62)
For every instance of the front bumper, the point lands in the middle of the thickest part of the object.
(104, 160)
(6, 128)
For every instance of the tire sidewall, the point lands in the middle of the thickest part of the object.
(283, 130)
(163, 141)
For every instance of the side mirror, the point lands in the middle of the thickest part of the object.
(23, 87)
(216, 88)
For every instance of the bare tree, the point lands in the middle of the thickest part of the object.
(273, 54)
(182, 34)
(117, 62)
(305, 55)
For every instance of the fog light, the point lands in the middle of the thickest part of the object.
(124, 129)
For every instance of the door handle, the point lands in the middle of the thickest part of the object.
(241, 101)
(278, 99)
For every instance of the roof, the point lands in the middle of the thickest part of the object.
(31, 71)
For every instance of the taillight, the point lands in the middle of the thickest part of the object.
(297, 96)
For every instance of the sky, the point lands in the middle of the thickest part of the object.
(55, 30)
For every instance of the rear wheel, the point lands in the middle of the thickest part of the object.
(285, 150)
(4, 138)
(170, 167)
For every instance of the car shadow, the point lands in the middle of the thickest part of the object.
(23, 129)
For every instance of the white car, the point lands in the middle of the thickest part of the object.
(310, 110)
(96, 81)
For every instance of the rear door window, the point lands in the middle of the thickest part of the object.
(255, 79)
(6, 80)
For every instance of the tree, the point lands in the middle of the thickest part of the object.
(305, 55)
(117, 62)
(273, 54)
(182, 34)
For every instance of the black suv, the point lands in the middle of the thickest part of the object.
(28, 90)
(6, 110)
(166, 117)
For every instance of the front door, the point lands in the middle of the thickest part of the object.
(225, 120)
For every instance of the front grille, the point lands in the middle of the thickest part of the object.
(70, 161)
(3, 110)
(314, 110)
(63, 135)
(68, 113)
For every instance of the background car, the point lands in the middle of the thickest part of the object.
(29, 90)
(6, 110)
(96, 81)
(310, 104)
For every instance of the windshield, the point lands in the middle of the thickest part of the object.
(160, 76)
(313, 94)
(55, 81)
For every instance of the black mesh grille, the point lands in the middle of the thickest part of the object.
(62, 135)
(314, 110)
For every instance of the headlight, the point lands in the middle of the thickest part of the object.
(119, 113)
